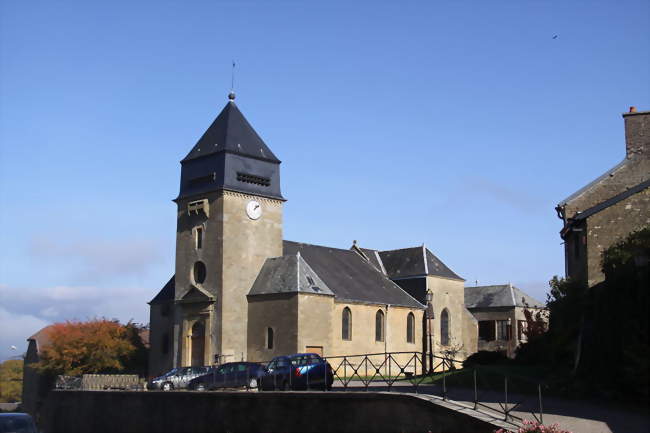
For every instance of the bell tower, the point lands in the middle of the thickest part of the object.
(229, 221)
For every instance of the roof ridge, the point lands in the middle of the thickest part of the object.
(319, 246)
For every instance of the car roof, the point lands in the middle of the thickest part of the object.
(303, 354)
(15, 415)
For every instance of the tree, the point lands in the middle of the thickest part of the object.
(11, 380)
(96, 346)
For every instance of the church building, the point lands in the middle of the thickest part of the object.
(242, 292)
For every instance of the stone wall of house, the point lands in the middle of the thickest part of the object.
(515, 315)
(611, 225)
(632, 173)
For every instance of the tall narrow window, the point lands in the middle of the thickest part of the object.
(199, 238)
(379, 326)
(410, 328)
(164, 346)
(346, 324)
(503, 330)
(444, 327)
(269, 338)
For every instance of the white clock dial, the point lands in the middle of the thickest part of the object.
(253, 210)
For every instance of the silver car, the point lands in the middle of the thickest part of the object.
(177, 378)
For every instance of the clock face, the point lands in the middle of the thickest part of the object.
(253, 210)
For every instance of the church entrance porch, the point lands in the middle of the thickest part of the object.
(197, 344)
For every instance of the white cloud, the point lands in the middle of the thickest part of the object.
(14, 331)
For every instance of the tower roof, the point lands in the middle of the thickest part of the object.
(231, 132)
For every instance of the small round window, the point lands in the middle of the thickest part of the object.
(199, 272)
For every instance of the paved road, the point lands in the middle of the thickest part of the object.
(576, 416)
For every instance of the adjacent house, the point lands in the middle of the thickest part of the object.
(500, 312)
(610, 207)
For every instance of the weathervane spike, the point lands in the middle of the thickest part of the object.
(231, 95)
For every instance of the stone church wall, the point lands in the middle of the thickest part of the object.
(450, 295)
(247, 244)
(161, 342)
(314, 323)
(280, 313)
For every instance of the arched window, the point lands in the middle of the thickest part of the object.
(379, 326)
(444, 327)
(410, 328)
(346, 324)
(269, 338)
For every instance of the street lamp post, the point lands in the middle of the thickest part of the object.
(429, 317)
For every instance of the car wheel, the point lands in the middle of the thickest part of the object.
(167, 386)
(252, 384)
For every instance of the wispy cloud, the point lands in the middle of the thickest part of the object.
(481, 188)
(95, 260)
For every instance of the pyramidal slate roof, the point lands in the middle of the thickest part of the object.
(350, 276)
(231, 132)
(503, 295)
(416, 261)
(288, 274)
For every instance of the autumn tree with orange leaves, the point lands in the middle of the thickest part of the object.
(96, 346)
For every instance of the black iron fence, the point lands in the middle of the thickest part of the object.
(487, 389)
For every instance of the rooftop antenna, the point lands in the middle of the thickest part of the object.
(231, 95)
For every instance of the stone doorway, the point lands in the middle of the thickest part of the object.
(197, 344)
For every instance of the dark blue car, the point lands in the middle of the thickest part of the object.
(229, 375)
(297, 372)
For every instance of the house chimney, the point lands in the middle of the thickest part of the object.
(637, 134)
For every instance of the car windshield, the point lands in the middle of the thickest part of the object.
(170, 372)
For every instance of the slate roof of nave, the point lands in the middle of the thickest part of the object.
(502, 295)
(409, 262)
(349, 276)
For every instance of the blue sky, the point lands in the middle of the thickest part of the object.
(455, 124)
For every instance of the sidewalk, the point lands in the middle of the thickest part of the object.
(573, 415)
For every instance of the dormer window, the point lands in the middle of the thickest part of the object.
(197, 206)
(251, 178)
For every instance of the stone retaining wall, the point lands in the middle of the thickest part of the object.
(235, 412)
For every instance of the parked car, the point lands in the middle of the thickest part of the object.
(13, 422)
(230, 375)
(177, 378)
(299, 371)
